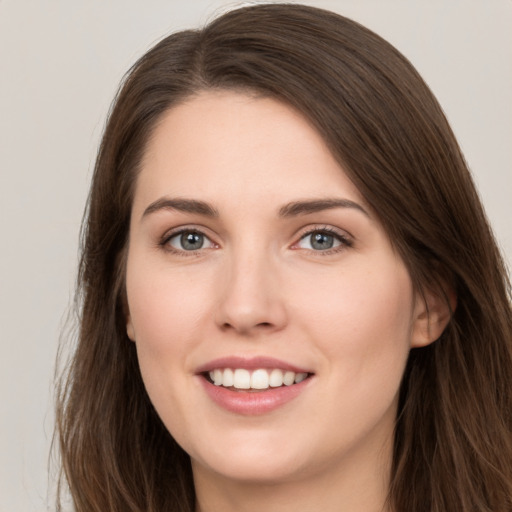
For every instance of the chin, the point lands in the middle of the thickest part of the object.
(251, 470)
(253, 462)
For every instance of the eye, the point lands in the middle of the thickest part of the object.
(189, 240)
(322, 240)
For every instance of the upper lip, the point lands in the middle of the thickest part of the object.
(250, 363)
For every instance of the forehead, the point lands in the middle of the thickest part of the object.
(222, 145)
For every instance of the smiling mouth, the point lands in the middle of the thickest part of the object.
(241, 379)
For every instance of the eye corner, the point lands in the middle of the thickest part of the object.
(186, 241)
(328, 240)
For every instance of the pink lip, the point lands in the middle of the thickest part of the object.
(252, 363)
(251, 403)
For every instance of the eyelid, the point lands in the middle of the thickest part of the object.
(179, 230)
(346, 240)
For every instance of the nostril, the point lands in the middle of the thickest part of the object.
(263, 325)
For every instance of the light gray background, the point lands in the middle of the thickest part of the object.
(61, 62)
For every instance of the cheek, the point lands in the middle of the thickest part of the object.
(166, 310)
(163, 305)
(362, 319)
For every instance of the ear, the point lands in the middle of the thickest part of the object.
(433, 311)
(121, 261)
(130, 331)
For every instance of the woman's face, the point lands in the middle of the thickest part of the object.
(253, 259)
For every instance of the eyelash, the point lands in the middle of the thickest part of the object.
(164, 242)
(344, 241)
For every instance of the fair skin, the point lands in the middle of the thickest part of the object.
(248, 241)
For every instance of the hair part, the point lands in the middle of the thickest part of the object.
(453, 442)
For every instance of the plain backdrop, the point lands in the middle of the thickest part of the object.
(61, 62)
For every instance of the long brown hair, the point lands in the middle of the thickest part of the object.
(453, 440)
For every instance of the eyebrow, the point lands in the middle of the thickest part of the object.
(292, 209)
(182, 205)
(296, 208)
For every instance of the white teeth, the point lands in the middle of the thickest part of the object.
(228, 378)
(276, 378)
(289, 378)
(300, 377)
(241, 378)
(259, 379)
(217, 377)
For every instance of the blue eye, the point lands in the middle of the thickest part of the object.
(189, 240)
(322, 240)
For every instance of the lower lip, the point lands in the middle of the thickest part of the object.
(252, 403)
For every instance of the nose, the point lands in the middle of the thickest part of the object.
(251, 298)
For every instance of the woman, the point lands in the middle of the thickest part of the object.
(290, 295)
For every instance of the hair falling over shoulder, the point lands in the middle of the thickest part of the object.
(453, 437)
